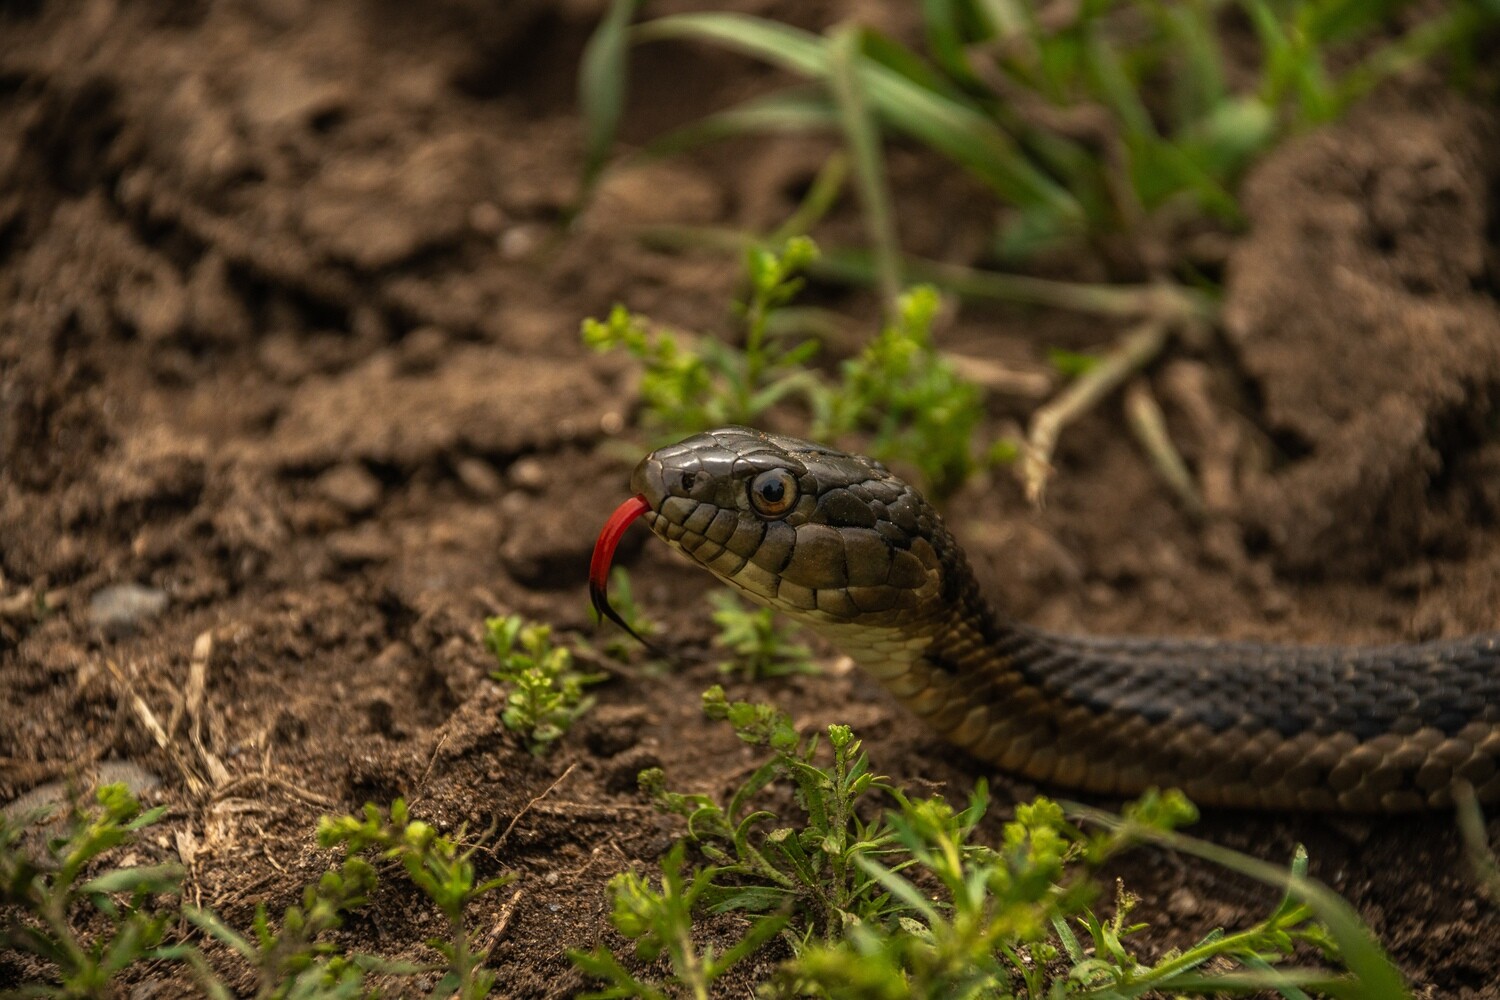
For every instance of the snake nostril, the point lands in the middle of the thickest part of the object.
(689, 480)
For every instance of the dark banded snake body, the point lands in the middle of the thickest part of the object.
(840, 543)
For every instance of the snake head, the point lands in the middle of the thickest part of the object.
(822, 535)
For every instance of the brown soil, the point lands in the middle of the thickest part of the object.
(287, 333)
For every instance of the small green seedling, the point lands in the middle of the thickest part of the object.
(660, 921)
(899, 392)
(52, 888)
(691, 384)
(910, 399)
(444, 873)
(544, 689)
(810, 870)
(131, 911)
(298, 960)
(757, 643)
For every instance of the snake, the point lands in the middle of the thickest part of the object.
(840, 543)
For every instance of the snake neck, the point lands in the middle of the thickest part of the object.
(1243, 724)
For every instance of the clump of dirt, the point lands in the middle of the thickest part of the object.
(1362, 310)
(291, 398)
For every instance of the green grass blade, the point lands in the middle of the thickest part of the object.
(1290, 983)
(1476, 842)
(901, 889)
(1418, 45)
(954, 129)
(1006, 19)
(1377, 975)
(209, 923)
(1117, 89)
(142, 878)
(821, 196)
(207, 979)
(1108, 300)
(856, 267)
(602, 86)
(796, 109)
(1189, 29)
(869, 164)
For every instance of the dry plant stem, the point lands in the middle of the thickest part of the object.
(1134, 351)
(148, 721)
(197, 688)
(1148, 422)
(861, 135)
(1219, 437)
(502, 923)
(994, 376)
(296, 791)
(22, 605)
(535, 799)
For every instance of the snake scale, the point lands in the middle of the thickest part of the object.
(838, 542)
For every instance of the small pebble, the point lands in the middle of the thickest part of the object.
(366, 544)
(517, 242)
(486, 218)
(350, 487)
(528, 474)
(479, 477)
(423, 349)
(123, 606)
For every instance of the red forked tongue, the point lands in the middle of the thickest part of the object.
(604, 554)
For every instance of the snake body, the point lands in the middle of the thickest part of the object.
(840, 543)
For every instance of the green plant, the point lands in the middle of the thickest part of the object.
(758, 647)
(544, 690)
(899, 390)
(297, 960)
(135, 905)
(909, 398)
(909, 904)
(444, 873)
(1019, 922)
(660, 920)
(810, 871)
(1081, 121)
(692, 384)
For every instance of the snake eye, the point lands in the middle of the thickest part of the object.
(773, 493)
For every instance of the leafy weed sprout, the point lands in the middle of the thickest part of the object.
(758, 647)
(444, 873)
(544, 689)
(298, 960)
(660, 920)
(907, 903)
(691, 384)
(292, 959)
(51, 892)
(899, 390)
